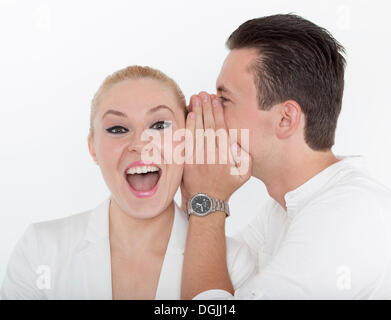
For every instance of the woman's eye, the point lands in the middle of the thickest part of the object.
(161, 125)
(117, 130)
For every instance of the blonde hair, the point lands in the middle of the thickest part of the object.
(133, 73)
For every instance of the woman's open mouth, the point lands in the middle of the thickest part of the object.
(143, 179)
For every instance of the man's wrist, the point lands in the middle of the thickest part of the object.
(203, 204)
(216, 216)
(184, 205)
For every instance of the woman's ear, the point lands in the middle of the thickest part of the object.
(290, 114)
(91, 148)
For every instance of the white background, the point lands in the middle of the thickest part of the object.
(54, 55)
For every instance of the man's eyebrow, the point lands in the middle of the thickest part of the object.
(221, 88)
(115, 112)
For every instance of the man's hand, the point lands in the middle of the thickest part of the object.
(218, 178)
(205, 260)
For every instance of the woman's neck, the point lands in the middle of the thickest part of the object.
(130, 235)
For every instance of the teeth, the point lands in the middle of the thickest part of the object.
(142, 169)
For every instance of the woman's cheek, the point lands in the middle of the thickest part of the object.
(105, 152)
(178, 152)
(166, 146)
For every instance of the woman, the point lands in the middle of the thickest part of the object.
(131, 245)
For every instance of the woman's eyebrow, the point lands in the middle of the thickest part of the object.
(115, 112)
(162, 106)
(121, 114)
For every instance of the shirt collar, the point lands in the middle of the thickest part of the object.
(98, 226)
(98, 223)
(296, 199)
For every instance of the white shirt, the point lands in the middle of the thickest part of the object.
(69, 258)
(333, 242)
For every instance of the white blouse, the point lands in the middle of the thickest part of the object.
(69, 258)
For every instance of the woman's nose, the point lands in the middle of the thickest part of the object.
(137, 147)
(137, 142)
(147, 143)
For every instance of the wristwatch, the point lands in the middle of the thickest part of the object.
(201, 205)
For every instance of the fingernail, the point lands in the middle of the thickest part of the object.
(197, 102)
(191, 115)
(215, 102)
(205, 97)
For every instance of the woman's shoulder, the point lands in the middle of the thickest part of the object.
(58, 234)
(66, 226)
(45, 244)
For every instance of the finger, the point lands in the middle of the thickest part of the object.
(189, 137)
(234, 159)
(191, 101)
(198, 133)
(221, 132)
(242, 161)
(218, 114)
(197, 109)
(207, 112)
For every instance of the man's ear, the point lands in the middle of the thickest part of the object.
(290, 114)
(91, 148)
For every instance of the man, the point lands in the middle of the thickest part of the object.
(326, 231)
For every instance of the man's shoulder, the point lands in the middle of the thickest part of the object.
(359, 186)
(355, 190)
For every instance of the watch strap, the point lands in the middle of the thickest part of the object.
(220, 205)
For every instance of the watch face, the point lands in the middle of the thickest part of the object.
(201, 204)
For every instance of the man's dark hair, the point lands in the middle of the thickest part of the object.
(301, 61)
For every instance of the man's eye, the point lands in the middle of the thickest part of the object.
(117, 130)
(223, 99)
(161, 125)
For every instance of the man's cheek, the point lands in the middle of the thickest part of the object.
(229, 120)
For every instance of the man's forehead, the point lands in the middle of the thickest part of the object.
(240, 59)
(236, 70)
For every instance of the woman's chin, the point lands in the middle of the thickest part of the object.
(148, 206)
